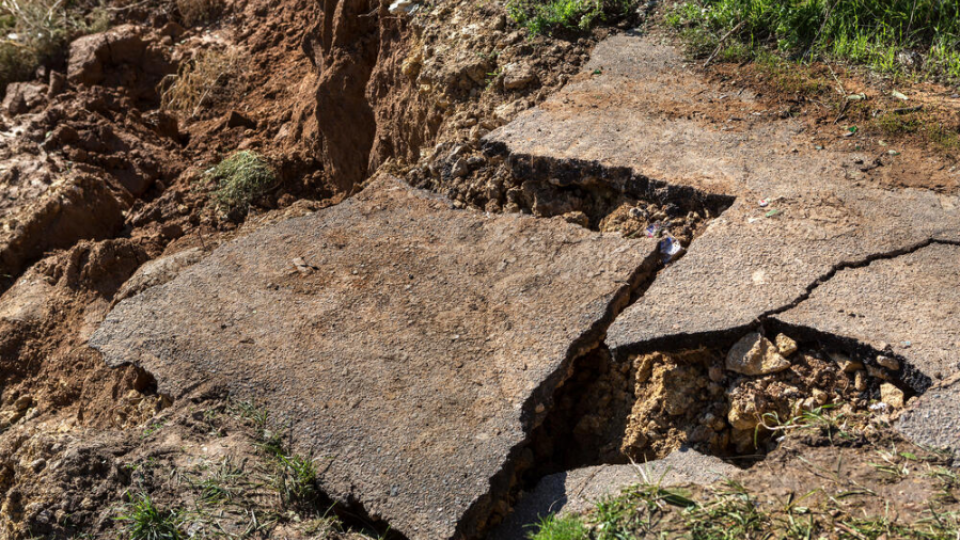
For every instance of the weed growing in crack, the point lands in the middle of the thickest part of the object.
(560, 528)
(240, 179)
(145, 521)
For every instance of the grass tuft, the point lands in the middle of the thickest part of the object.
(200, 81)
(560, 528)
(552, 16)
(144, 521)
(34, 31)
(240, 179)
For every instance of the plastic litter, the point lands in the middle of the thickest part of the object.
(405, 6)
(772, 213)
(652, 230)
(763, 203)
(899, 95)
(669, 248)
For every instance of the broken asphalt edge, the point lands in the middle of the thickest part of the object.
(915, 379)
(500, 482)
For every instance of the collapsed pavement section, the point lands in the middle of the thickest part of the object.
(410, 347)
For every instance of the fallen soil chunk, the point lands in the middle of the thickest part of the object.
(414, 357)
(575, 492)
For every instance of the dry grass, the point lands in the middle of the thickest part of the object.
(197, 11)
(204, 80)
(32, 31)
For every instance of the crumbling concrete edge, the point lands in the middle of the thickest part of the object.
(542, 398)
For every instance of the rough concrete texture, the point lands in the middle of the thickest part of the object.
(638, 106)
(577, 491)
(933, 419)
(410, 347)
(909, 303)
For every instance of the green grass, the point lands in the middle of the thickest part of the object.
(870, 32)
(34, 31)
(731, 512)
(560, 528)
(240, 179)
(553, 16)
(145, 521)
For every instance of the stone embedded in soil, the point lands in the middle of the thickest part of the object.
(786, 345)
(891, 395)
(754, 355)
(411, 362)
(577, 491)
(648, 112)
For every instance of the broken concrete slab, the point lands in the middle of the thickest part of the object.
(909, 305)
(413, 360)
(578, 491)
(933, 419)
(638, 106)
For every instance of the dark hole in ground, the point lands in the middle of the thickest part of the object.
(608, 199)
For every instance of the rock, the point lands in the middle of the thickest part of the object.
(860, 381)
(755, 355)
(158, 271)
(889, 363)
(786, 345)
(891, 395)
(364, 370)
(846, 364)
(460, 168)
(743, 415)
(235, 119)
(517, 76)
(878, 373)
(90, 56)
(23, 403)
(58, 84)
(23, 96)
(577, 218)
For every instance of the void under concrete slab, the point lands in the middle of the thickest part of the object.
(638, 105)
(410, 347)
(577, 491)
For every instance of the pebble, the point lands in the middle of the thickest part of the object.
(890, 363)
(786, 345)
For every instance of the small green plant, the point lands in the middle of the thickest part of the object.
(551, 16)
(560, 528)
(241, 178)
(144, 521)
(299, 480)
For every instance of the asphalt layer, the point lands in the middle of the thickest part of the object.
(409, 347)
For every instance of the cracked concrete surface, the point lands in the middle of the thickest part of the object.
(410, 347)
(745, 265)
